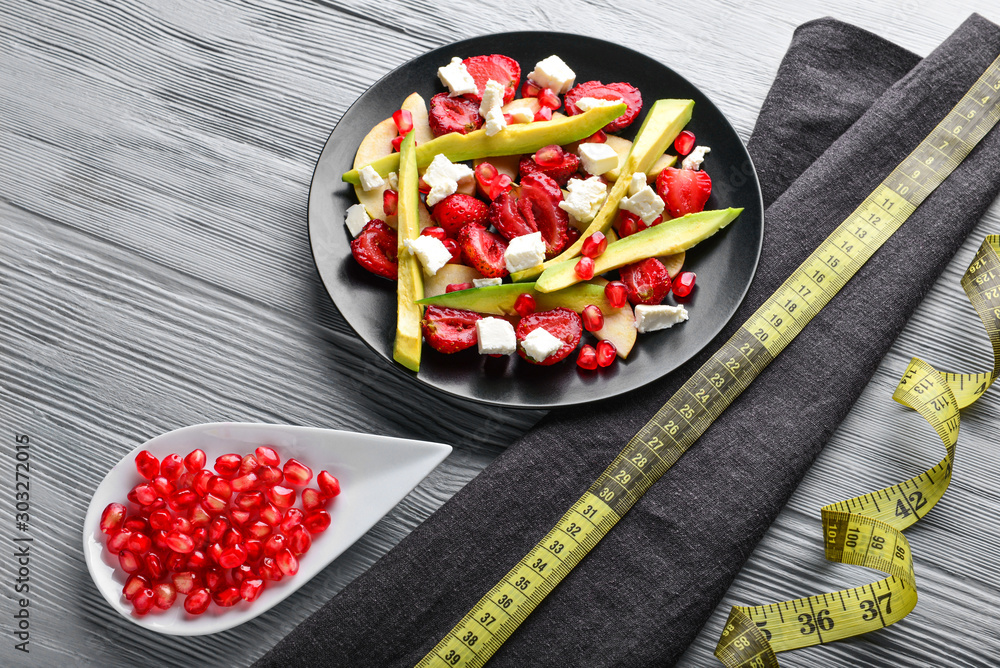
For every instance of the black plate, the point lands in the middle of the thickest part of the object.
(725, 264)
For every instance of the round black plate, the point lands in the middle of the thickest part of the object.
(725, 264)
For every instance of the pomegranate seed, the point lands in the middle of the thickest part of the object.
(200, 537)
(197, 560)
(287, 562)
(213, 504)
(241, 573)
(185, 481)
(485, 173)
(255, 549)
(312, 499)
(300, 541)
(269, 569)
(543, 114)
(133, 585)
(423, 186)
(245, 482)
(217, 529)
(220, 487)
(163, 486)
(456, 253)
(199, 517)
(160, 520)
(112, 518)
(390, 202)
(179, 542)
(599, 137)
(201, 480)
(248, 464)
(525, 304)
(159, 504)
(293, 519)
(397, 142)
(135, 523)
(143, 601)
(594, 245)
(606, 353)
(154, 566)
(144, 494)
(549, 99)
(617, 294)
(164, 595)
(317, 521)
(129, 561)
(267, 456)
(530, 89)
(684, 283)
(249, 500)
(215, 579)
(259, 529)
(329, 485)
(226, 597)
(298, 473)
(270, 514)
(403, 120)
(233, 557)
(684, 142)
(593, 319)
(182, 499)
(251, 589)
(139, 543)
(232, 537)
(175, 561)
(171, 467)
(183, 525)
(549, 156)
(185, 581)
(628, 224)
(240, 517)
(119, 541)
(499, 186)
(147, 465)
(587, 359)
(433, 231)
(195, 460)
(584, 268)
(509, 120)
(197, 601)
(268, 475)
(275, 544)
(228, 465)
(282, 497)
(457, 287)
(160, 540)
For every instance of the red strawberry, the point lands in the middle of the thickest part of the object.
(449, 330)
(453, 114)
(503, 70)
(458, 210)
(684, 191)
(506, 215)
(483, 250)
(561, 323)
(544, 194)
(612, 91)
(560, 169)
(647, 281)
(375, 249)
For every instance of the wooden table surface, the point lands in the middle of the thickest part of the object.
(156, 272)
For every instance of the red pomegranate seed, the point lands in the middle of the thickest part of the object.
(543, 114)
(249, 500)
(213, 504)
(422, 186)
(160, 540)
(684, 283)
(144, 494)
(159, 504)
(457, 287)
(287, 562)
(599, 137)
(171, 467)
(160, 520)
(251, 589)
(233, 556)
(182, 499)
(485, 173)
(328, 485)
(248, 464)
(617, 294)
(317, 521)
(197, 601)
(259, 529)
(267, 456)
(293, 519)
(175, 561)
(300, 541)
(197, 560)
(215, 579)
(530, 89)
(549, 99)
(606, 353)
(143, 601)
(179, 542)
(584, 268)
(217, 529)
(200, 537)
(154, 566)
(135, 523)
(269, 569)
(228, 465)
(147, 465)
(593, 319)
(220, 487)
(549, 156)
(129, 561)
(164, 595)
(112, 518)
(199, 517)
(403, 120)
(139, 543)
(195, 460)
(268, 476)
(275, 544)
(271, 514)
(255, 549)
(186, 480)
(183, 525)
(185, 581)
(433, 231)
(240, 517)
(390, 202)
(133, 585)
(245, 482)
(241, 573)
(499, 186)
(525, 304)
(684, 142)
(312, 499)
(456, 253)
(201, 480)
(281, 496)
(594, 245)
(163, 486)
(119, 541)
(628, 224)
(587, 359)
(227, 597)
(296, 472)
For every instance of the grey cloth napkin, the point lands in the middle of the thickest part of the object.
(845, 108)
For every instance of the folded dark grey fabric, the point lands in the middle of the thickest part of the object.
(845, 108)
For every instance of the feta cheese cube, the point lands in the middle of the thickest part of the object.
(457, 79)
(646, 204)
(695, 157)
(492, 97)
(370, 179)
(357, 218)
(393, 180)
(584, 199)
(661, 316)
(588, 103)
(431, 252)
(495, 336)
(553, 73)
(540, 343)
(597, 158)
(485, 282)
(525, 252)
(495, 122)
(442, 176)
(637, 183)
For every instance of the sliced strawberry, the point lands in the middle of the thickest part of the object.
(647, 281)
(506, 215)
(612, 91)
(458, 210)
(449, 330)
(544, 194)
(561, 323)
(684, 191)
(483, 250)
(453, 114)
(505, 71)
(561, 167)
(375, 249)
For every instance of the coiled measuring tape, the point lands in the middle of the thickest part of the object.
(865, 530)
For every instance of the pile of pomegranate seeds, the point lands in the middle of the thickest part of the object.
(214, 536)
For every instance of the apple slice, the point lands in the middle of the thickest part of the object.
(619, 326)
(376, 144)
(418, 110)
(673, 263)
(450, 273)
(664, 161)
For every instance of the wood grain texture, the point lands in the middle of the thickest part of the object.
(156, 272)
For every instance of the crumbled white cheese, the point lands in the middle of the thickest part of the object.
(540, 343)
(553, 73)
(646, 204)
(588, 103)
(522, 114)
(456, 77)
(393, 180)
(495, 122)
(370, 179)
(357, 218)
(495, 336)
(492, 97)
(661, 316)
(525, 252)
(585, 198)
(637, 183)
(597, 158)
(442, 176)
(431, 252)
(485, 282)
(695, 157)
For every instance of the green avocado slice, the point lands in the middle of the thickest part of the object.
(500, 299)
(410, 282)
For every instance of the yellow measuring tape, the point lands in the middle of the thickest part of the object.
(863, 531)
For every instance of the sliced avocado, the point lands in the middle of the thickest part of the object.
(499, 299)
(665, 120)
(515, 139)
(667, 238)
(410, 285)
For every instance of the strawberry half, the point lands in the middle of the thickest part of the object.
(449, 330)
(560, 170)
(458, 210)
(505, 71)
(483, 250)
(684, 191)
(507, 216)
(561, 323)
(612, 91)
(375, 249)
(544, 195)
(453, 114)
(647, 282)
